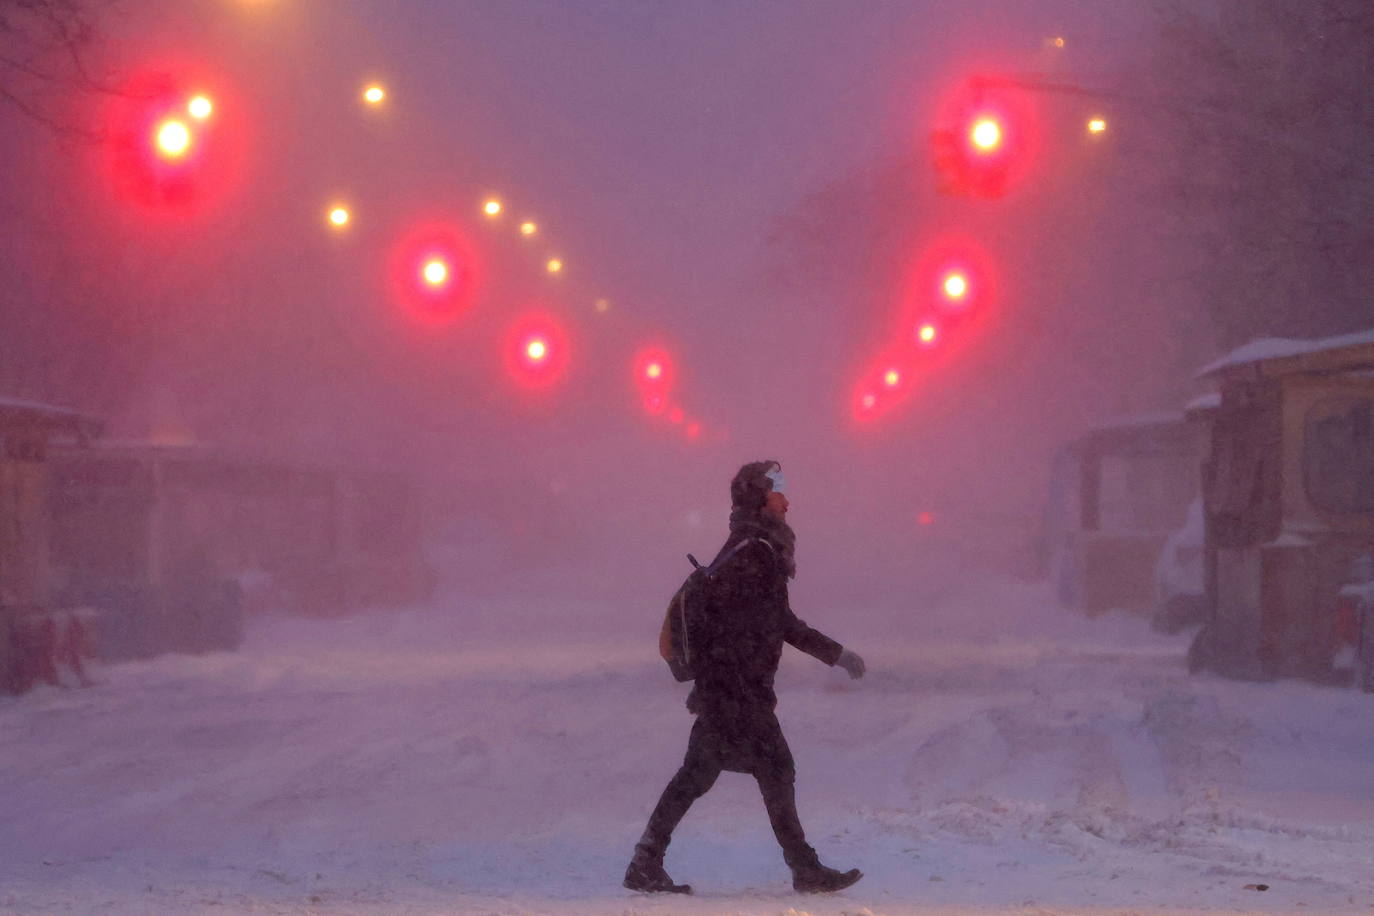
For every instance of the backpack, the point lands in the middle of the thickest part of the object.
(685, 612)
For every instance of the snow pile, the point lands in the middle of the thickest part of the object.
(1002, 756)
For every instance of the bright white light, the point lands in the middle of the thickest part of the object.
(955, 286)
(986, 135)
(435, 272)
(200, 107)
(173, 139)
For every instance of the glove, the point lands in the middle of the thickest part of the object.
(851, 662)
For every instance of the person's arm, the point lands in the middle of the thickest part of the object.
(811, 641)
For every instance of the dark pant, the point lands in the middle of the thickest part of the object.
(755, 746)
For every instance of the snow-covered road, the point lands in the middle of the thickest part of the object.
(396, 765)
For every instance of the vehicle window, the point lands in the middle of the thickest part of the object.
(1338, 454)
(1147, 493)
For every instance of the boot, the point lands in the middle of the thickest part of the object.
(646, 874)
(817, 879)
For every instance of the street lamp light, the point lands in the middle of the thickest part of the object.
(173, 139)
(986, 135)
(435, 272)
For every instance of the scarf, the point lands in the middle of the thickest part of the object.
(775, 531)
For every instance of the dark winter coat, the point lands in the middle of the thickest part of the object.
(740, 643)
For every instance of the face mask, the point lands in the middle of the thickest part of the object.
(779, 485)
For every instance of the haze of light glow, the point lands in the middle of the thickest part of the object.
(528, 228)
(986, 134)
(891, 378)
(603, 305)
(955, 286)
(374, 94)
(926, 333)
(1097, 126)
(654, 370)
(555, 265)
(200, 107)
(868, 401)
(173, 139)
(491, 207)
(339, 216)
(435, 272)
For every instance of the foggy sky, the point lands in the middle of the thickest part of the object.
(660, 145)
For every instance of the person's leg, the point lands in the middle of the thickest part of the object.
(699, 771)
(694, 778)
(776, 775)
(780, 798)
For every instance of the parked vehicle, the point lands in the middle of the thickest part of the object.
(1118, 493)
(1289, 499)
(38, 636)
(171, 542)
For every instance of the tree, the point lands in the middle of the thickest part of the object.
(1269, 132)
(42, 48)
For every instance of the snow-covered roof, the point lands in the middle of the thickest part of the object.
(1141, 420)
(20, 410)
(1209, 401)
(1150, 432)
(1271, 348)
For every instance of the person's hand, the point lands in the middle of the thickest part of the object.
(851, 662)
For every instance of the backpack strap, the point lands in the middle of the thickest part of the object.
(721, 560)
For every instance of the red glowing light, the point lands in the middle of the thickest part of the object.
(160, 149)
(693, 430)
(884, 384)
(986, 135)
(173, 139)
(952, 286)
(432, 272)
(925, 519)
(986, 138)
(654, 376)
(955, 286)
(435, 271)
(676, 415)
(537, 351)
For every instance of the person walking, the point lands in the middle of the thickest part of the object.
(737, 648)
